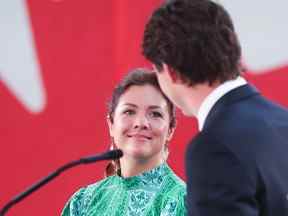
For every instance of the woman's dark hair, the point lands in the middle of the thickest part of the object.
(136, 77)
(196, 38)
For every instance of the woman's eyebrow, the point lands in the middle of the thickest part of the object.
(149, 107)
(130, 104)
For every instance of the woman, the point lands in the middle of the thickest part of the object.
(141, 122)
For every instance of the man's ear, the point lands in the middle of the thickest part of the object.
(170, 72)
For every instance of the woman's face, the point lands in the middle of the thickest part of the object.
(141, 123)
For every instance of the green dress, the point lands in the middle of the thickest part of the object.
(158, 192)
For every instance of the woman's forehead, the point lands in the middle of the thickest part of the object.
(146, 95)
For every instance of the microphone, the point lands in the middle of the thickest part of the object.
(109, 155)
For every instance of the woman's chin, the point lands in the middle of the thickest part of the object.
(136, 153)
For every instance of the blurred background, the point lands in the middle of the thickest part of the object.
(59, 62)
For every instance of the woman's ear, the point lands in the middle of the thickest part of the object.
(170, 133)
(110, 125)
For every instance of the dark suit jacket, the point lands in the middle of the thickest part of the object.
(238, 164)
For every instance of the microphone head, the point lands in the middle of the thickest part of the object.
(115, 154)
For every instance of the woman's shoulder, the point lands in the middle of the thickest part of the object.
(80, 200)
(172, 195)
(101, 183)
(173, 187)
(174, 180)
(97, 187)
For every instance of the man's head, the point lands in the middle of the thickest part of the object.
(195, 39)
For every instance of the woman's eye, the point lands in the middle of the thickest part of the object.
(156, 114)
(129, 112)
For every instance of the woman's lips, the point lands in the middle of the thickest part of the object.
(140, 136)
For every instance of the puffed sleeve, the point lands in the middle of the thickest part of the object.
(75, 204)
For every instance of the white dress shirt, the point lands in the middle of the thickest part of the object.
(214, 96)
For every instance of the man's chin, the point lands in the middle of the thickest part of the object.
(187, 113)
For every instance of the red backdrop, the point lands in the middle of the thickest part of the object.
(83, 49)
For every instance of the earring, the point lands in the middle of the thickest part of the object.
(113, 166)
(112, 144)
(166, 152)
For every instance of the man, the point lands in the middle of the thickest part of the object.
(237, 165)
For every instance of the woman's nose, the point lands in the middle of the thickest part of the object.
(142, 122)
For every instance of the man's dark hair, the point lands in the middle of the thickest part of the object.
(196, 38)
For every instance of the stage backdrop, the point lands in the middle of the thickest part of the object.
(59, 61)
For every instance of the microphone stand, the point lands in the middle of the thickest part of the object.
(114, 154)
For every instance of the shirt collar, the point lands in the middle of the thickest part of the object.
(214, 96)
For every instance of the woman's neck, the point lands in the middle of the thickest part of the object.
(132, 167)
